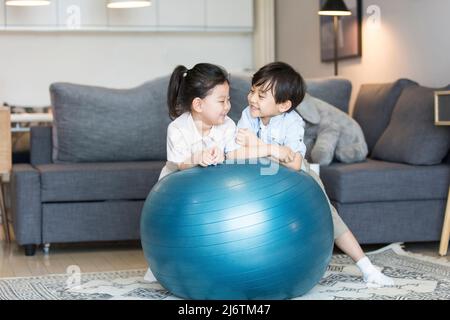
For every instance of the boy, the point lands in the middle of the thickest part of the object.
(269, 127)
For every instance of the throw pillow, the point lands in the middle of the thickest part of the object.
(93, 124)
(374, 105)
(411, 136)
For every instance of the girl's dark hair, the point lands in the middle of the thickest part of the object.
(284, 82)
(186, 85)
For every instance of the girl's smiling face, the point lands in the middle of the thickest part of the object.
(215, 106)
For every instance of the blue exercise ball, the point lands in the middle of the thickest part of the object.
(229, 232)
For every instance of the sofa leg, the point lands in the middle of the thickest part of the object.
(30, 249)
(47, 248)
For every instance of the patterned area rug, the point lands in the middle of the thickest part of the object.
(416, 278)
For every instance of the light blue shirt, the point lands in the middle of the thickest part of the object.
(286, 129)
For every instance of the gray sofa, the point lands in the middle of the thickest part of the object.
(399, 193)
(62, 201)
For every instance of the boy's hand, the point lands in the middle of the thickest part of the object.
(246, 138)
(283, 154)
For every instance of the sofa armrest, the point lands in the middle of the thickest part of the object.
(26, 204)
(447, 158)
(41, 145)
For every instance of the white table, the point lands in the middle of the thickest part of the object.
(18, 118)
(445, 229)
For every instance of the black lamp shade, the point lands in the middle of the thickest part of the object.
(335, 8)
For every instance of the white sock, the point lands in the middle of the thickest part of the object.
(372, 275)
(149, 276)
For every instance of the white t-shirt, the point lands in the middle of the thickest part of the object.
(183, 139)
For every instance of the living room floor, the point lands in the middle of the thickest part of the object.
(113, 256)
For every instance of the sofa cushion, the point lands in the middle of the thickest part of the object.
(411, 136)
(373, 181)
(394, 221)
(95, 124)
(98, 181)
(101, 124)
(240, 84)
(335, 91)
(91, 221)
(374, 105)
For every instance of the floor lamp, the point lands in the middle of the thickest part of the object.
(336, 9)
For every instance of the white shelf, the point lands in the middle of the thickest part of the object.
(162, 16)
(17, 119)
(31, 117)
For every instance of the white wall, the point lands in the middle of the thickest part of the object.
(412, 42)
(31, 61)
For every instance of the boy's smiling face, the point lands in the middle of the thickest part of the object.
(263, 105)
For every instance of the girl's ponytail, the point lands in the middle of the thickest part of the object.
(186, 85)
(175, 86)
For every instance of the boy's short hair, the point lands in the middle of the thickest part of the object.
(284, 82)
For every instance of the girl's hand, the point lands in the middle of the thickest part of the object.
(218, 155)
(202, 158)
(207, 158)
(246, 138)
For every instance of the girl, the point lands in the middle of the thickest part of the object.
(198, 101)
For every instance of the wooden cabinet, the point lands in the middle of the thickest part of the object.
(29, 17)
(229, 13)
(2, 17)
(135, 17)
(181, 13)
(162, 15)
(78, 14)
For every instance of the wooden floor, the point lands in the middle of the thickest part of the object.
(95, 257)
(89, 257)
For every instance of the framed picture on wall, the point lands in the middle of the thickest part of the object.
(442, 108)
(350, 44)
